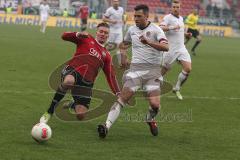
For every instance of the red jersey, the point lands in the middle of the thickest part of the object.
(83, 12)
(89, 57)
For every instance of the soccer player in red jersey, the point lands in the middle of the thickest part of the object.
(81, 71)
(84, 11)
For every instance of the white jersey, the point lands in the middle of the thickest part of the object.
(44, 9)
(142, 53)
(175, 37)
(117, 15)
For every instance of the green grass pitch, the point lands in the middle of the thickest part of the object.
(210, 129)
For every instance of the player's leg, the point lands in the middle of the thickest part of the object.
(118, 40)
(44, 26)
(123, 99)
(164, 70)
(68, 80)
(152, 87)
(67, 83)
(41, 23)
(182, 77)
(81, 111)
(129, 88)
(43, 20)
(83, 24)
(168, 59)
(114, 40)
(198, 41)
(41, 29)
(154, 102)
(82, 94)
(187, 37)
(111, 45)
(114, 113)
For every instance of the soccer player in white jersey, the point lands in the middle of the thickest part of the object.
(44, 11)
(114, 16)
(173, 26)
(148, 43)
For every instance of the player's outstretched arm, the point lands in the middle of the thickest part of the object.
(168, 28)
(108, 20)
(123, 50)
(74, 36)
(70, 36)
(110, 75)
(83, 34)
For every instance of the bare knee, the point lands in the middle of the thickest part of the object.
(154, 104)
(80, 116)
(69, 81)
(186, 66)
(188, 69)
(81, 111)
(126, 95)
(154, 99)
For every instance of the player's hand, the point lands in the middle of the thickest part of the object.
(83, 34)
(177, 27)
(143, 39)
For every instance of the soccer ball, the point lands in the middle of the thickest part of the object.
(41, 132)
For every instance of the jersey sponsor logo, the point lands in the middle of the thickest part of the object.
(94, 53)
(104, 53)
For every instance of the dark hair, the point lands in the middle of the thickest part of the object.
(142, 7)
(103, 24)
(176, 1)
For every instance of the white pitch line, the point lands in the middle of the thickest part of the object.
(211, 98)
(165, 96)
(25, 92)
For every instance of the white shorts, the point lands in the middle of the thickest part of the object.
(115, 37)
(145, 80)
(171, 56)
(43, 18)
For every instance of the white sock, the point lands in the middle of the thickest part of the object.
(182, 77)
(113, 114)
(119, 57)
